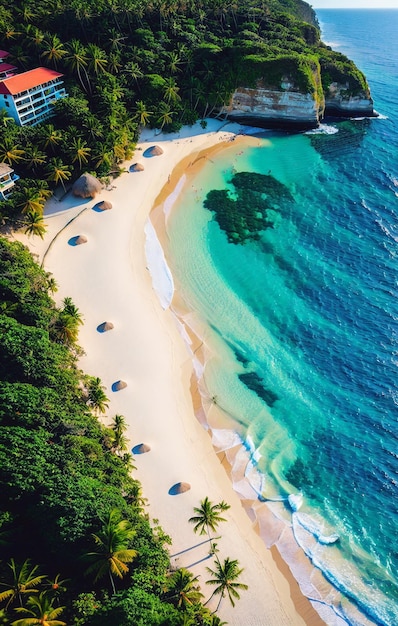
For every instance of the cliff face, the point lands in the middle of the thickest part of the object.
(267, 108)
(340, 102)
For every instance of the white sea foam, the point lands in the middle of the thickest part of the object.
(323, 129)
(162, 279)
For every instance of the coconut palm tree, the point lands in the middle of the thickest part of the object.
(96, 396)
(208, 516)
(65, 329)
(29, 199)
(10, 152)
(112, 553)
(22, 581)
(5, 119)
(171, 90)
(51, 283)
(97, 60)
(34, 157)
(34, 223)
(40, 612)
(182, 589)
(133, 70)
(71, 309)
(225, 577)
(76, 59)
(101, 155)
(165, 114)
(57, 171)
(80, 151)
(53, 49)
(50, 137)
(142, 115)
(119, 427)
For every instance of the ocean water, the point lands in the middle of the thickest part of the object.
(303, 328)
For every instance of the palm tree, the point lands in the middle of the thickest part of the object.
(54, 49)
(112, 553)
(141, 114)
(34, 157)
(10, 152)
(96, 396)
(174, 62)
(102, 156)
(41, 612)
(65, 329)
(29, 199)
(119, 427)
(23, 581)
(34, 224)
(182, 588)
(5, 119)
(208, 516)
(133, 70)
(34, 37)
(225, 579)
(171, 90)
(165, 115)
(50, 137)
(71, 309)
(57, 171)
(96, 57)
(76, 59)
(51, 283)
(80, 151)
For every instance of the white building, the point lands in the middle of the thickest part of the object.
(7, 180)
(29, 97)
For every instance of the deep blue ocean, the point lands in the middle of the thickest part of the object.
(305, 328)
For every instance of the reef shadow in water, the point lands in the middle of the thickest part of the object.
(348, 139)
(256, 384)
(250, 208)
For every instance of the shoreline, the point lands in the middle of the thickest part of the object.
(108, 279)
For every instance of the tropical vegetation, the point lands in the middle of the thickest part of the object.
(132, 63)
(77, 546)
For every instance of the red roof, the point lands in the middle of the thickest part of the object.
(6, 67)
(4, 54)
(27, 80)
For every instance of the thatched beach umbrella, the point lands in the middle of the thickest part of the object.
(104, 205)
(118, 385)
(153, 151)
(178, 488)
(86, 186)
(102, 328)
(80, 239)
(136, 167)
(141, 448)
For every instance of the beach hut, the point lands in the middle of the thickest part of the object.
(104, 327)
(141, 448)
(104, 205)
(178, 488)
(86, 186)
(118, 385)
(136, 167)
(153, 151)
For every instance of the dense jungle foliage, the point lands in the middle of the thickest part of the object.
(131, 63)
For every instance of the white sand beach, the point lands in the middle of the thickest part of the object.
(109, 279)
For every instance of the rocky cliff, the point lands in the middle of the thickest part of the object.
(267, 108)
(340, 102)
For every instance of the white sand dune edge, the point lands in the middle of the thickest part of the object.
(109, 280)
